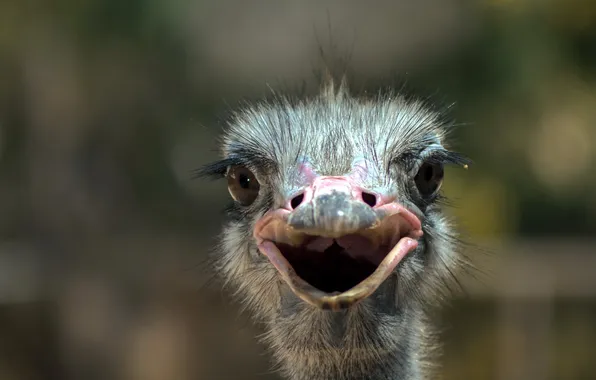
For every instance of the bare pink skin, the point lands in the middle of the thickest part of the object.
(350, 183)
(307, 172)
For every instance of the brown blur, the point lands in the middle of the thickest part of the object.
(107, 106)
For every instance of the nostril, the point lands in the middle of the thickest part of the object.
(296, 201)
(369, 199)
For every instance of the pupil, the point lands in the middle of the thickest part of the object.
(244, 181)
(428, 173)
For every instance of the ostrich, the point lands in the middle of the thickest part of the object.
(336, 241)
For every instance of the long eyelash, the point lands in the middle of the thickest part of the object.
(251, 156)
(446, 157)
(217, 169)
(439, 156)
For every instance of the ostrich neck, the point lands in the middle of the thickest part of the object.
(398, 365)
(351, 347)
(383, 370)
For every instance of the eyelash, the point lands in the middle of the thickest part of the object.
(441, 157)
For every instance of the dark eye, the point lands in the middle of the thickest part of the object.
(242, 185)
(429, 179)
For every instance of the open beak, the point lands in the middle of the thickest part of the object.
(335, 249)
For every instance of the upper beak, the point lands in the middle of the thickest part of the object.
(333, 214)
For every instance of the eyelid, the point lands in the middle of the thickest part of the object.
(434, 150)
(245, 165)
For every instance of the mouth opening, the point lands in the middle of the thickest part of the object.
(335, 268)
(337, 272)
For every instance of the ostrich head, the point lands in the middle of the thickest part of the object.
(336, 240)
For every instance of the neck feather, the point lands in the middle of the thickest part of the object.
(350, 345)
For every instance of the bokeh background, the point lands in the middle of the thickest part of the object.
(106, 107)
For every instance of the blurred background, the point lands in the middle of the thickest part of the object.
(106, 106)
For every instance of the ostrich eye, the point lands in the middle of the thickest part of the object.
(242, 185)
(429, 179)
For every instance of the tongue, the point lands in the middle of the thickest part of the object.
(360, 248)
(356, 246)
(319, 244)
